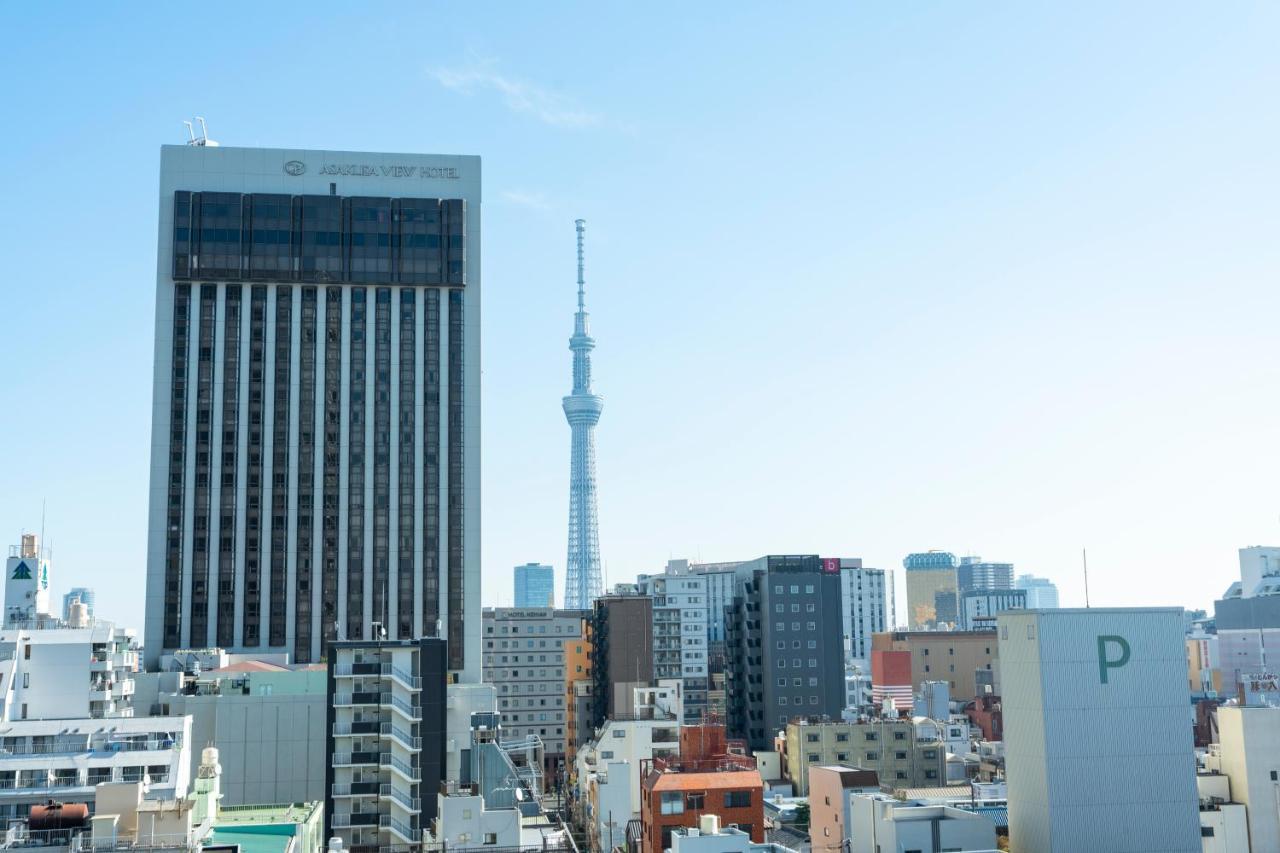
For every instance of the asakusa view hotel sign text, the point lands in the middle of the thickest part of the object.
(358, 170)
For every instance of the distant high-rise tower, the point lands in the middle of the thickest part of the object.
(582, 583)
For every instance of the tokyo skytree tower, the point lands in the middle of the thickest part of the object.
(582, 582)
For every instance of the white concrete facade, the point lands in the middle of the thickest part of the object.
(879, 823)
(865, 596)
(66, 673)
(65, 759)
(296, 173)
(680, 633)
(1250, 754)
(1098, 747)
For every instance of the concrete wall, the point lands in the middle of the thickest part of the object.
(1250, 739)
(1098, 746)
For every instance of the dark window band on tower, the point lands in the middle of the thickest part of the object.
(405, 480)
(456, 442)
(332, 463)
(431, 465)
(278, 611)
(229, 449)
(320, 239)
(199, 636)
(306, 477)
(382, 458)
(356, 469)
(253, 528)
(177, 468)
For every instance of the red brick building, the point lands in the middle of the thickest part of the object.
(706, 778)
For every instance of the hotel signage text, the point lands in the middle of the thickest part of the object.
(359, 170)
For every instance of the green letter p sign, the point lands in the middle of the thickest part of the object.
(1105, 660)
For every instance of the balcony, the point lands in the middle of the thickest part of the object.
(391, 792)
(399, 828)
(412, 712)
(360, 727)
(410, 682)
(353, 819)
(409, 742)
(386, 759)
(355, 789)
(354, 759)
(346, 700)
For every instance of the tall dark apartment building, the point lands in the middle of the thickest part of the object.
(621, 653)
(785, 652)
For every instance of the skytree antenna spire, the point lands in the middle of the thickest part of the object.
(582, 409)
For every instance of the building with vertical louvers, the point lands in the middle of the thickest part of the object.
(316, 418)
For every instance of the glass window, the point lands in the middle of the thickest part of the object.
(671, 802)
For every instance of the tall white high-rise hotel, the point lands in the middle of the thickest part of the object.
(316, 426)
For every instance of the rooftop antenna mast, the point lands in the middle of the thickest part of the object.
(1084, 556)
(203, 139)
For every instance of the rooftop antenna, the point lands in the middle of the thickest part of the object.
(203, 139)
(1084, 556)
(44, 505)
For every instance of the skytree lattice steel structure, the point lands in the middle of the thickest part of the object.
(582, 582)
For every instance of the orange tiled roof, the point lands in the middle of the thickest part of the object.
(704, 781)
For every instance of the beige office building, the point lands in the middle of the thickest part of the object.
(904, 755)
(951, 656)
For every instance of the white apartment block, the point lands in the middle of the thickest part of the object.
(680, 633)
(66, 673)
(524, 657)
(607, 769)
(67, 720)
(866, 596)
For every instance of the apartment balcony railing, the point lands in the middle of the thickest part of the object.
(352, 819)
(405, 739)
(398, 827)
(411, 682)
(355, 789)
(353, 759)
(391, 792)
(386, 759)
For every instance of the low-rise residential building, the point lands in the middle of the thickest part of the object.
(881, 823)
(677, 791)
(67, 719)
(710, 837)
(1249, 743)
(953, 656)
(67, 673)
(902, 753)
(606, 778)
(524, 655)
(67, 759)
(831, 791)
(1224, 823)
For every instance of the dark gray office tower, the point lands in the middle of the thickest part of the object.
(315, 460)
(785, 650)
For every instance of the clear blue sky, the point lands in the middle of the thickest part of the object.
(866, 278)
